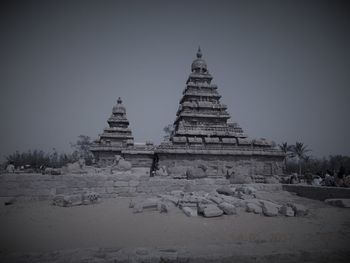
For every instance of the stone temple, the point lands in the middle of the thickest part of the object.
(117, 139)
(203, 143)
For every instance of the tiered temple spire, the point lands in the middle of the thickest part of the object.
(201, 117)
(117, 136)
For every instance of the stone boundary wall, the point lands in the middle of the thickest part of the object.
(43, 187)
(318, 192)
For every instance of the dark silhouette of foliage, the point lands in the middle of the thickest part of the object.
(82, 149)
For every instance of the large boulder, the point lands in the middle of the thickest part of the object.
(225, 190)
(228, 208)
(269, 208)
(195, 173)
(299, 210)
(209, 210)
(248, 190)
(253, 208)
(189, 211)
(68, 200)
(177, 171)
(287, 211)
(232, 200)
(120, 165)
(240, 179)
(338, 202)
(150, 204)
(215, 199)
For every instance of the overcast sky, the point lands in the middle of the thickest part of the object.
(282, 68)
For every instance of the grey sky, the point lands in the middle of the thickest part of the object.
(282, 67)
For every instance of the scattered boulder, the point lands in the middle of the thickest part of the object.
(248, 190)
(195, 173)
(119, 164)
(253, 208)
(170, 198)
(231, 200)
(164, 207)
(338, 202)
(299, 210)
(67, 200)
(287, 211)
(240, 179)
(189, 211)
(151, 204)
(228, 208)
(269, 208)
(215, 199)
(225, 190)
(210, 210)
(177, 171)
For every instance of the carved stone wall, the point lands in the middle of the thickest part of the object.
(220, 165)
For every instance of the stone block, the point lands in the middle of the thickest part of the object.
(134, 183)
(338, 202)
(225, 190)
(287, 211)
(253, 208)
(119, 190)
(121, 183)
(215, 199)
(269, 208)
(228, 208)
(299, 210)
(212, 211)
(189, 211)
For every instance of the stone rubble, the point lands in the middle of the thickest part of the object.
(338, 202)
(76, 199)
(226, 200)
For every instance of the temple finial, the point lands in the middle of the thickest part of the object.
(119, 101)
(199, 52)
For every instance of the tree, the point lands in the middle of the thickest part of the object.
(300, 150)
(286, 149)
(82, 148)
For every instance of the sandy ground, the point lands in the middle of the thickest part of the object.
(40, 227)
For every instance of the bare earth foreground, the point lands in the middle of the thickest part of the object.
(111, 232)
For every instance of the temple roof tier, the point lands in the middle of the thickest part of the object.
(117, 129)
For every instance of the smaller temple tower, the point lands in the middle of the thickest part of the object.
(114, 138)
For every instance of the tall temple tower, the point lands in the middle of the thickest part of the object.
(201, 118)
(114, 138)
(203, 137)
(117, 139)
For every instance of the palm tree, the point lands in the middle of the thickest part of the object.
(299, 150)
(286, 149)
